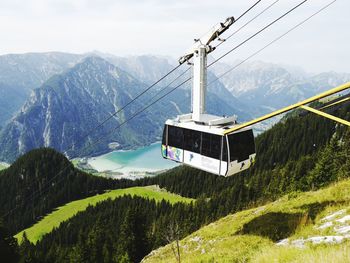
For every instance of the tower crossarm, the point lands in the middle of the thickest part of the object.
(213, 34)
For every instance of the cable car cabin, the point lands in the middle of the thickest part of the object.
(206, 148)
(197, 138)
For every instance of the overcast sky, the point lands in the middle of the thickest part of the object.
(161, 27)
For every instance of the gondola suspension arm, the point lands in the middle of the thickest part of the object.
(206, 40)
(326, 115)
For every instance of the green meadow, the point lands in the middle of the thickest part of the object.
(53, 220)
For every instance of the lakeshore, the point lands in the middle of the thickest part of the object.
(131, 164)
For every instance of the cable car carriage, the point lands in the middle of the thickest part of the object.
(202, 140)
(207, 148)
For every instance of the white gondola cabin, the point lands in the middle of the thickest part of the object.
(206, 148)
(198, 139)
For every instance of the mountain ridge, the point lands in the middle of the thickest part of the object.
(21, 73)
(63, 110)
(271, 86)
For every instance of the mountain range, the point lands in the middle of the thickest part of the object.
(62, 112)
(55, 99)
(266, 87)
(21, 73)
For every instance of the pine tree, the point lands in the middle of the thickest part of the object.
(127, 239)
(344, 156)
(326, 168)
(8, 246)
(26, 250)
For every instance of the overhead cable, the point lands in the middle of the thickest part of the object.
(273, 41)
(257, 33)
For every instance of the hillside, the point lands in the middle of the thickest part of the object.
(63, 213)
(40, 181)
(307, 227)
(286, 154)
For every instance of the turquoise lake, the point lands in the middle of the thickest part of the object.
(145, 159)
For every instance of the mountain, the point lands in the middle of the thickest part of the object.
(32, 69)
(11, 99)
(251, 90)
(61, 113)
(258, 86)
(149, 69)
(62, 110)
(146, 68)
(266, 87)
(21, 73)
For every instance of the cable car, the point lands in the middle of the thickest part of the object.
(207, 148)
(199, 139)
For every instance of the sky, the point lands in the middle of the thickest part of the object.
(167, 28)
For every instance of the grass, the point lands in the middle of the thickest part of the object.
(75, 162)
(3, 166)
(322, 253)
(52, 220)
(249, 236)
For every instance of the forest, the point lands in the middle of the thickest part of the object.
(302, 152)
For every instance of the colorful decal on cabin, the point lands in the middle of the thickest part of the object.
(175, 154)
(164, 151)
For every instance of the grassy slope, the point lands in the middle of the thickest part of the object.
(67, 211)
(3, 166)
(250, 235)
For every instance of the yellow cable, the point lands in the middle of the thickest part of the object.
(290, 107)
(326, 115)
(335, 103)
